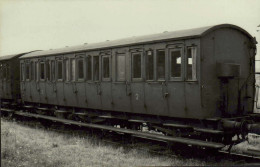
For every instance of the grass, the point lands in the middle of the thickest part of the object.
(31, 147)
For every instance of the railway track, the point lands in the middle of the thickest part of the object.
(152, 146)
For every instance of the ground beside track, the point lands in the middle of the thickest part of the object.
(26, 146)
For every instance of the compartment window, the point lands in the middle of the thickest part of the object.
(22, 72)
(149, 65)
(27, 71)
(89, 72)
(37, 71)
(53, 70)
(66, 69)
(191, 63)
(136, 65)
(73, 69)
(160, 64)
(80, 69)
(120, 67)
(42, 71)
(32, 70)
(48, 71)
(96, 68)
(59, 72)
(175, 63)
(106, 69)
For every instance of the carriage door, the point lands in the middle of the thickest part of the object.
(69, 80)
(59, 73)
(51, 87)
(156, 86)
(42, 81)
(93, 90)
(121, 94)
(27, 81)
(79, 84)
(176, 80)
(106, 85)
(137, 84)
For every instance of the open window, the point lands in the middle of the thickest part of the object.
(73, 69)
(120, 67)
(80, 69)
(59, 70)
(105, 68)
(191, 64)
(96, 68)
(37, 71)
(175, 63)
(42, 71)
(137, 66)
(160, 64)
(149, 61)
(89, 68)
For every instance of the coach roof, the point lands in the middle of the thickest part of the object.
(182, 34)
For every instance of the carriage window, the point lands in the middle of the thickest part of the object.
(136, 65)
(149, 65)
(22, 72)
(80, 69)
(160, 64)
(42, 72)
(175, 63)
(1, 71)
(89, 72)
(66, 69)
(32, 70)
(191, 63)
(48, 71)
(73, 69)
(106, 69)
(37, 71)
(120, 68)
(53, 70)
(59, 73)
(96, 68)
(27, 71)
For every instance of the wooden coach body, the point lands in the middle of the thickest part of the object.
(174, 74)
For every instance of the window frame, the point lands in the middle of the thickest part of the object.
(156, 64)
(93, 68)
(70, 70)
(27, 64)
(32, 70)
(109, 67)
(66, 69)
(125, 76)
(132, 66)
(57, 70)
(170, 64)
(44, 65)
(89, 59)
(48, 71)
(193, 62)
(77, 69)
(22, 71)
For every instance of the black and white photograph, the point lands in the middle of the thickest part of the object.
(129, 83)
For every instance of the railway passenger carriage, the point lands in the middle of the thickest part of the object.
(196, 83)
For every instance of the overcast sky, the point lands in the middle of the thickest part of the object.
(41, 25)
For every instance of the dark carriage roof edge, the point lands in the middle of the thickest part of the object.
(174, 35)
(12, 56)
